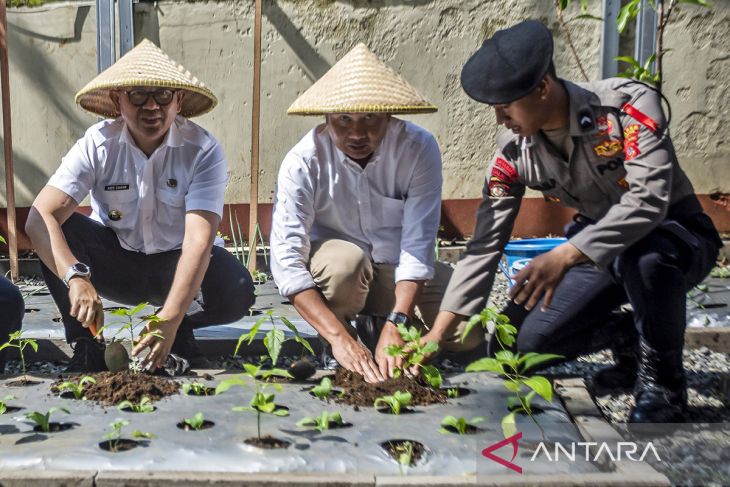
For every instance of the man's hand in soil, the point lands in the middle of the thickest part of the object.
(351, 355)
(85, 303)
(158, 337)
(386, 363)
(543, 274)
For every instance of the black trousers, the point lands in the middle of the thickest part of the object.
(12, 311)
(653, 275)
(131, 277)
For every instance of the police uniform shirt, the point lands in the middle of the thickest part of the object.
(622, 172)
(144, 200)
(390, 208)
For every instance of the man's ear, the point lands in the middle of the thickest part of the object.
(114, 95)
(180, 94)
(544, 87)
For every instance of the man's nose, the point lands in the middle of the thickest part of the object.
(358, 130)
(151, 103)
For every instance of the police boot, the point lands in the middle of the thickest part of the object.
(625, 349)
(661, 388)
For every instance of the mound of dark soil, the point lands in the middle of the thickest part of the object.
(111, 388)
(360, 393)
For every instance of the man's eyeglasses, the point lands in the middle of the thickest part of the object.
(139, 97)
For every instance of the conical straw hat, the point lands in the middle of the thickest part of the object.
(360, 83)
(145, 65)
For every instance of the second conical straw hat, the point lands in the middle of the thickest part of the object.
(360, 83)
(145, 65)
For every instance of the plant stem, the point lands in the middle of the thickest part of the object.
(258, 422)
(564, 26)
(22, 361)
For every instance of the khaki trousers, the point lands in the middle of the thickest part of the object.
(351, 284)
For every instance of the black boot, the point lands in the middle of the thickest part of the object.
(661, 388)
(88, 356)
(621, 337)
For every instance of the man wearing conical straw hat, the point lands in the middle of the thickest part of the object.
(156, 182)
(356, 214)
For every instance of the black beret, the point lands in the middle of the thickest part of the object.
(510, 64)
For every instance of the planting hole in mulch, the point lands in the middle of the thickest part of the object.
(470, 429)
(360, 393)
(456, 392)
(115, 308)
(120, 445)
(130, 410)
(69, 395)
(396, 448)
(334, 394)
(403, 410)
(12, 409)
(54, 427)
(202, 392)
(186, 427)
(267, 442)
(22, 383)
(31, 310)
(111, 388)
(57, 319)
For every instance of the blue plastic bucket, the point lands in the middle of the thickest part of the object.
(518, 253)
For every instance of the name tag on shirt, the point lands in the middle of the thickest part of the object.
(116, 187)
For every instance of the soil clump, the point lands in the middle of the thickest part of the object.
(111, 388)
(267, 442)
(360, 393)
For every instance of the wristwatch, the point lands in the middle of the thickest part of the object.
(79, 269)
(398, 318)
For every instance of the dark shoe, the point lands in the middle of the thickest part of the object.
(368, 330)
(661, 388)
(329, 362)
(187, 347)
(88, 356)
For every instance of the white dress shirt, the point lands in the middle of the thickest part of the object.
(144, 200)
(390, 209)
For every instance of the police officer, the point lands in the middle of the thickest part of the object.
(156, 181)
(639, 237)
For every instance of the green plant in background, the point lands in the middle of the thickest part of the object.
(240, 242)
(720, 272)
(322, 422)
(395, 402)
(274, 338)
(16, 340)
(460, 425)
(511, 367)
(44, 420)
(628, 13)
(196, 422)
(3, 403)
(261, 402)
(76, 388)
(144, 405)
(196, 388)
(24, 3)
(413, 352)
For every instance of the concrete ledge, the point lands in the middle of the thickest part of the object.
(194, 479)
(716, 339)
(46, 478)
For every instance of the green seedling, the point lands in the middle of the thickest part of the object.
(3, 403)
(16, 340)
(395, 402)
(721, 272)
(324, 389)
(405, 455)
(76, 388)
(196, 422)
(144, 435)
(452, 393)
(412, 352)
(43, 420)
(274, 338)
(461, 425)
(261, 402)
(115, 434)
(512, 368)
(131, 320)
(144, 406)
(196, 388)
(321, 422)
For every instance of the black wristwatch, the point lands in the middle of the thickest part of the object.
(398, 318)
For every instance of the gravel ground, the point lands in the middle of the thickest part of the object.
(699, 456)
